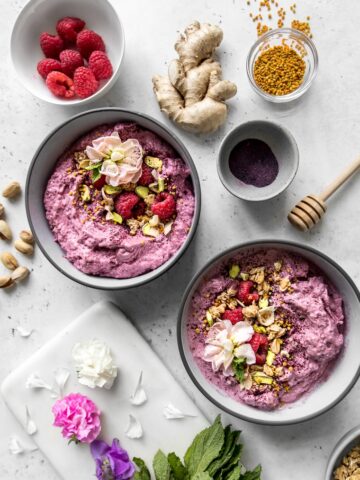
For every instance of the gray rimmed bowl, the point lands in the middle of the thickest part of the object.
(43, 164)
(284, 147)
(346, 443)
(327, 394)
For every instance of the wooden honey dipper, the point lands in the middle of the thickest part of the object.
(310, 210)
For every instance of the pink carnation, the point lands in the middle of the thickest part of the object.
(78, 416)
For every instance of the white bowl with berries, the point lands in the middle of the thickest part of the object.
(67, 52)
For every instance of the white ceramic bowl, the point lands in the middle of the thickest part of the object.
(43, 164)
(283, 146)
(350, 440)
(324, 396)
(39, 16)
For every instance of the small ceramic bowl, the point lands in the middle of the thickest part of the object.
(39, 16)
(43, 165)
(282, 144)
(350, 440)
(295, 39)
(326, 394)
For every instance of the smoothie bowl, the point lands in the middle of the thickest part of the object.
(113, 198)
(267, 331)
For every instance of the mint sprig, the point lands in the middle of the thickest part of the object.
(214, 454)
(239, 367)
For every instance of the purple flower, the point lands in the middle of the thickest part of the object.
(112, 462)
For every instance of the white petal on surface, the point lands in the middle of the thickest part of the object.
(139, 396)
(15, 447)
(247, 352)
(134, 429)
(31, 427)
(23, 332)
(241, 332)
(172, 413)
(35, 381)
(61, 377)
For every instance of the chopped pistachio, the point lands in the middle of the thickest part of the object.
(117, 218)
(150, 231)
(153, 162)
(234, 271)
(259, 329)
(158, 186)
(85, 193)
(110, 190)
(92, 166)
(263, 302)
(270, 357)
(209, 319)
(142, 192)
(244, 276)
(261, 378)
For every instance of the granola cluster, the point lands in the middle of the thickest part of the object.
(350, 466)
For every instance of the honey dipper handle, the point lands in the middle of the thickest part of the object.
(340, 180)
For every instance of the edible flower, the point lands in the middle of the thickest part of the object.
(78, 416)
(119, 161)
(112, 462)
(225, 342)
(94, 364)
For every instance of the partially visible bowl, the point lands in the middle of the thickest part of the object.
(39, 16)
(43, 164)
(300, 42)
(327, 394)
(283, 145)
(346, 443)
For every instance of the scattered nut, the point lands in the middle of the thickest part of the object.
(2, 210)
(6, 281)
(27, 236)
(284, 284)
(9, 261)
(268, 370)
(250, 312)
(20, 274)
(12, 190)
(5, 232)
(275, 346)
(23, 247)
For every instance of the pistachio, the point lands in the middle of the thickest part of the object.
(85, 193)
(24, 247)
(263, 302)
(84, 163)
(110, 190)
(270, 357)
(142, 192)
(153, 162)
(8, 260)
(12, 190)
(154, 221)
(117, 218)
(261, 378)
(244, 276)
(266, 316)
(158, 186)
(259, 329)
(19, 274)
(209, 319)
(26, 236)
(150, 231)
(5, 281)
(234, 271)
(5, 232)
(2, 210)
(275, 346)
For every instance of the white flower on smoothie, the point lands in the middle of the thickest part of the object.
(225, 342)
(120, 161)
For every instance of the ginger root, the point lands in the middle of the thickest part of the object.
(193, 94)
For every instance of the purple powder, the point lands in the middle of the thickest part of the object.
(253, 162)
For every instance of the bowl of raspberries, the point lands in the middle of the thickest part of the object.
(67, 52)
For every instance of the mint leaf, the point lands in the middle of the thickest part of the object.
(239, 367)
(143, 473)
(161, 466)
(95, 175)
(201, 476)
(232, 462)
(178, 470)
(205, 447)
(253, 475)
(227, 453)
(235, 474)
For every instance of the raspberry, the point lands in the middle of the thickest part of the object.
(259, 343)
(100, 182)
(69, 27)
(139, 209)
(146, 176)
(85, 82)
(87, 41)
(233, 315)
(100, 64)
(246, 293)
(164, 206)
(60, 85)
(51, 45)
(47, 65)
(70, 61)
(124, 204)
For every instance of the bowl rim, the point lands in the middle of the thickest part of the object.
(304, 86)
(137, 281)
(342, 445)
(220, 159)
(187, 292)
(79, 101)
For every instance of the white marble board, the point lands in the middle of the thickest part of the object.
(132, 354)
